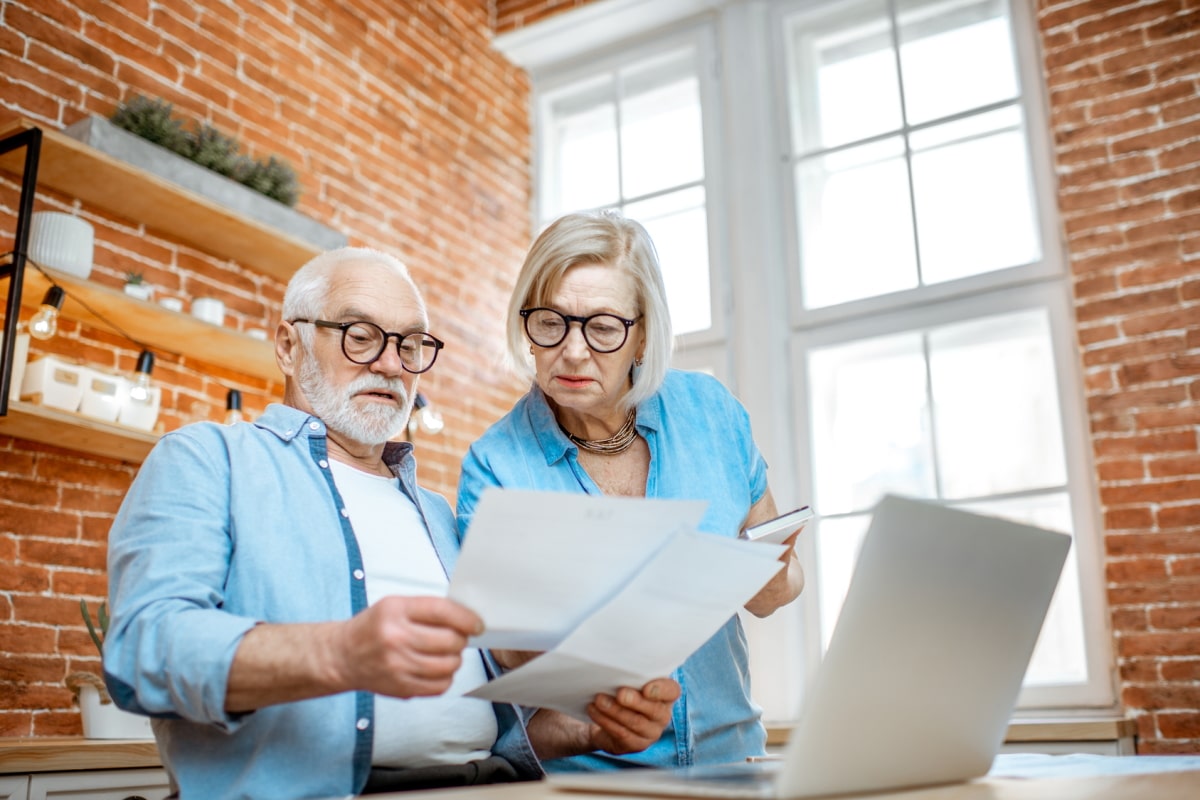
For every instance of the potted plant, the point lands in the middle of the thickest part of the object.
(101, 717)
(136, 286)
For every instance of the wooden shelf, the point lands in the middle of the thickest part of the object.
(38, 423)
(61, 753)
(150, 323)
(74, 168)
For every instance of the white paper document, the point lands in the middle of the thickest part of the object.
(617, 590)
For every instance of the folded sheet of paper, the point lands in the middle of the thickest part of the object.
(616, 590)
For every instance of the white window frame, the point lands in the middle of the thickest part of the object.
(701, 350)
(760, 332)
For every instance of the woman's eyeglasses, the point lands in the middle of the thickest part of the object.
(604, 333)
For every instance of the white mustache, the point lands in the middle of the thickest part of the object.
(372, 383)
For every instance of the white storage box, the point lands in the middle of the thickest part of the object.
(103, 395)
(54, 383)
(141, 414)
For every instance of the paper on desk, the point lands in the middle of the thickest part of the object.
(667, 600)
(536, 564)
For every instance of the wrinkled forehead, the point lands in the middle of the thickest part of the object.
(376, 291)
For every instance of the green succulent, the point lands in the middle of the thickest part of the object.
(101, 621)
(153, 120)
(275, 178)
(213, 149)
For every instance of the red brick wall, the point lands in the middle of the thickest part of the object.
(409, 134)
(510, 14)
(1124, 97)
(1125, 112)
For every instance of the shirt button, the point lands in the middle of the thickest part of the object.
(358, 574)
(363, 724)
(323, 463)
(345, 513)
(316, 426)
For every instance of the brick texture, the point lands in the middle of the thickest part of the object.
(409, 134)
(1124, 96)
(1125, 121)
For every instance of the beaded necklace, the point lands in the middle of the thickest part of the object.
(619, 442)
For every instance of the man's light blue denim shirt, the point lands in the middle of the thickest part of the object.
(227, 526)
(701, 447)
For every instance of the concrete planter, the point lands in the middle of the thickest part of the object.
(120, 144)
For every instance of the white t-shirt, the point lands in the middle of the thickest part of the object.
(399, 558)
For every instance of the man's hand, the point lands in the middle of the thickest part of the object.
(406, 646)
(628, 722)
(400, 646)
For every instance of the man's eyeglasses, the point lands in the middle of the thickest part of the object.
(364, 342)
(604, 333)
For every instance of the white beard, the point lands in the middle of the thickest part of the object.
(373, 424)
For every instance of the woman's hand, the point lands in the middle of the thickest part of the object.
(789, 581)
(627, 722)
(632, 720)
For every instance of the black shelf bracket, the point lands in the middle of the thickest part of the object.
(31, 140)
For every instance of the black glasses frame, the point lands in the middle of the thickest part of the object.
(428, 340)
(583, 323)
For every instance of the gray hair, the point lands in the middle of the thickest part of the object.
(608, 239)
(309, 287)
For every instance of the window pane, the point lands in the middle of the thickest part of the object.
(870, 423)
(662, 143)
(996, 412)
(843, 51)
(678, 224)
(838, 543)
(954, 56)
(856, 236)
(582, 146)
(974, 198)
(1059, 655)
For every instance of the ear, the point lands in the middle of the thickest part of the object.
(287, 348)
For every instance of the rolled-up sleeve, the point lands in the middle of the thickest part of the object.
(168, 563)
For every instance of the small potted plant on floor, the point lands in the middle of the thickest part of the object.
(101, 717)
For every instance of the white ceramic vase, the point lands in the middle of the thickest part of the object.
(62, 242)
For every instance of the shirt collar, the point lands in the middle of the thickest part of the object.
(288, 422)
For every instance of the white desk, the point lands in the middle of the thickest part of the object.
(1155, 786)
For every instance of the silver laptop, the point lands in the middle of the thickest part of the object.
(922, 672)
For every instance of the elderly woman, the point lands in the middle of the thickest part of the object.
(607, 415)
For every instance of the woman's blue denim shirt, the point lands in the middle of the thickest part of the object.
(701, 447)
(227, 526)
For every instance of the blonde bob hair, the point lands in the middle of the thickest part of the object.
(608, 239)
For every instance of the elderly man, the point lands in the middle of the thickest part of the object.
(277, 588)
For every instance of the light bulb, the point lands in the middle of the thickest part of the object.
(426, 417)
(141, 377)
(233, 407)
(44, 323)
